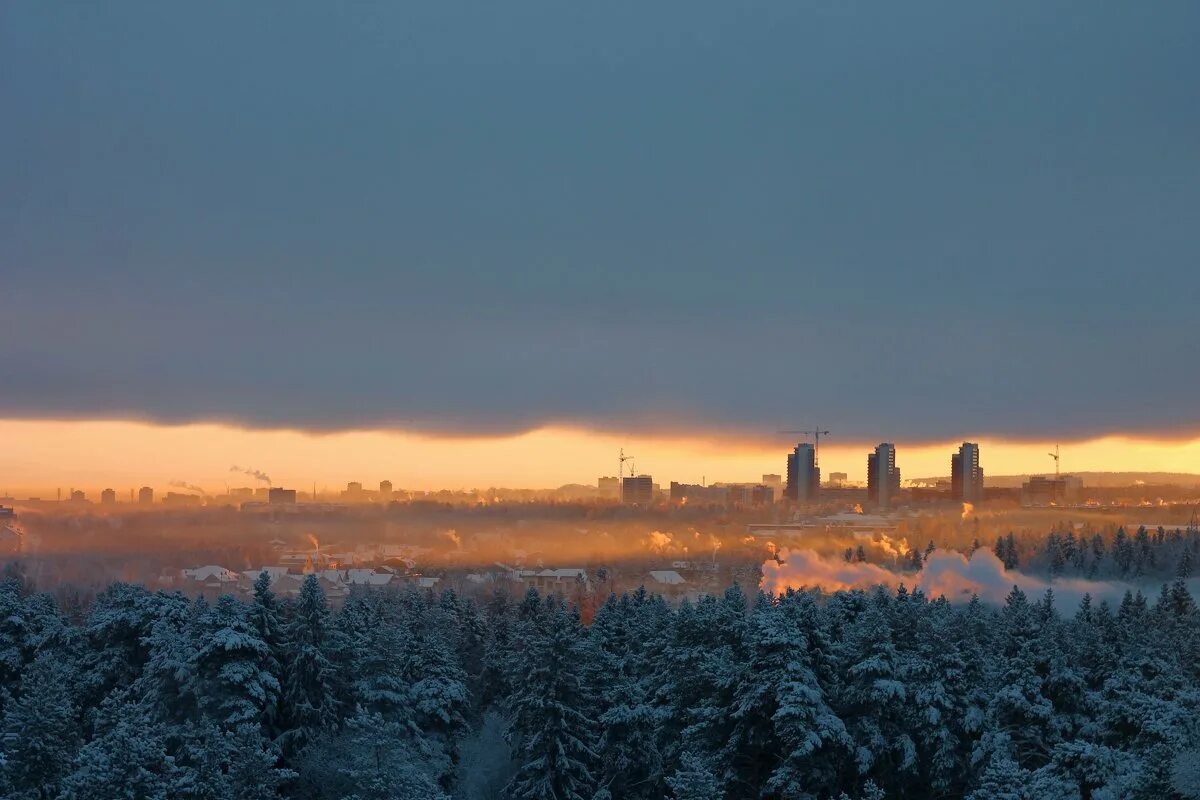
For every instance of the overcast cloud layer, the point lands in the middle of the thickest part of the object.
(905, 220)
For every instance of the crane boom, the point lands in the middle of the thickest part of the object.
(621, 459)
(816, 435)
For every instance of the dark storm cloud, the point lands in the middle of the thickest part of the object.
(916, 220)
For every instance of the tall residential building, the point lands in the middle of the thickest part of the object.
(108, 497)
(883, 476)
(609, 487)
(966, 476)
(637, 489)
(803, 474)
(145, 496)
(385, 491)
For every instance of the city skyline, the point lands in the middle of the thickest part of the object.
(43, 456)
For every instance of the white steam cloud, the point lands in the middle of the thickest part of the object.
(945, 572)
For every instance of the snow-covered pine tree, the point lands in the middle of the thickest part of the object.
(631, 765)
(694, 780)
(40, 730)
(874, 696)
(312, 696)
(552, 731)
(369, 759)
(813, 739)
(234, 668)
(264, 614)
(127, 758)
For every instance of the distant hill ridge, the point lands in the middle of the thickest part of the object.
(1097, 479)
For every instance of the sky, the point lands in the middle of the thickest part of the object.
(917, 222)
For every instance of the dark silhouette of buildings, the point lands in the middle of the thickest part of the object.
(637, 490)
(280, 496)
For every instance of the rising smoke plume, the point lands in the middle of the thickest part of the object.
(191, 487)
(945, 572)
(254, 473)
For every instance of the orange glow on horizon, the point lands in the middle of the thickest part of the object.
(37, 456)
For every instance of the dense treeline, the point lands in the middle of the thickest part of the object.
(412, 695)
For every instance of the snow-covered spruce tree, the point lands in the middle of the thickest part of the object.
(873, 697)
(1004, 779)
(14, 637)
(127, 758)
(784, 675)
(437, 691)
(499, 621)
(1021, 724)
(167, 687)
(369, 758)
(252, 765)
(694, 780)
(934, 672)
(40, 730)
(552, 731)
(235, 670)
(118, 639)
(378, 646)
(312, 696)
(265, 619)
(631, 765)
(699, 673)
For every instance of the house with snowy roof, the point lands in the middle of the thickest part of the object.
(552, 581)
(667, 582)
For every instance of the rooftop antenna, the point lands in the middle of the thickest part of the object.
(816, 437)
(1055, 456)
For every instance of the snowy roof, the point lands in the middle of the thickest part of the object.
(273, 572)
(561, 574)
(368, 577)
(211, 572)
(667, 576)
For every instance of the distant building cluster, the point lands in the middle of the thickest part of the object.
(800, 484)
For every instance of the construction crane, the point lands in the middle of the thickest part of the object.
(816, 437)
(1055, 456)
(621, 459)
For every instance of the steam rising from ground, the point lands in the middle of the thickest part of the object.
(658, 541)
(945, 572)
